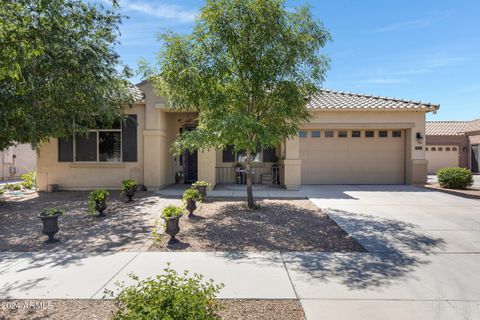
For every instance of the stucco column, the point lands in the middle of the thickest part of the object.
(291, 164)
(206, 166)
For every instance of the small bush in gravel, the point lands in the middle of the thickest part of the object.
(167, 296)
(455, 178)
(29, 180)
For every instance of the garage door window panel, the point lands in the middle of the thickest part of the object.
(396, 134)
(329, 134)
(383, 134)
(342, 134)
(369, 134)
(315, 134)
(356, 134)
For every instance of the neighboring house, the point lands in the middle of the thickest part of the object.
(351, 139)
(17, 160)
(453, 144)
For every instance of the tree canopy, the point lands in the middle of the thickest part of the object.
(248, 68)
(59, 72)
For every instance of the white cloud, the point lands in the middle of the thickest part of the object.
(160, 10)
(413, 24)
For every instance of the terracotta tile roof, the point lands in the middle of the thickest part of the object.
(334, 100)
(445, 128)
(136, 93)
(473, 126)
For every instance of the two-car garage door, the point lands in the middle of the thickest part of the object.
(352, 156)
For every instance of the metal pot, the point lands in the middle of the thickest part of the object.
(172, 228)
(100, 207)
(202, 190)
(50, 227)
(129, 194)
(191, 206)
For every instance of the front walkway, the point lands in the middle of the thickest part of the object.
(236, 191)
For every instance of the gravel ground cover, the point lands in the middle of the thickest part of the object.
(278, 225)
(103, 309)
(127, 226)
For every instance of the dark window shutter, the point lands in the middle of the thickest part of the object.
(228, 154)
(65, 150)
(269, 155)
(129, 139)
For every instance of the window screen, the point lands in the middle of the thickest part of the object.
(110, 146)
(86, 147)
(228, 154)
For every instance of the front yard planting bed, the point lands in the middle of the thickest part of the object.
(103, 309)
(277, 225)
(127, 226)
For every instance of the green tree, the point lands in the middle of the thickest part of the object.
(59, 72)
(248, 68)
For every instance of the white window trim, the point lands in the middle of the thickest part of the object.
(97, 131)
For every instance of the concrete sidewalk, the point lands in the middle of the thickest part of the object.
(236, 191)
(329, 285)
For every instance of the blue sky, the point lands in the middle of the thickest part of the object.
(416, 50)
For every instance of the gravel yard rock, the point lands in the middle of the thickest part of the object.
(103, 309)
(277, 225)
(127, 226)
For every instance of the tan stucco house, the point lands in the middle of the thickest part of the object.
(351, 139)
(453, 144)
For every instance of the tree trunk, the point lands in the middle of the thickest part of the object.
(248, 160)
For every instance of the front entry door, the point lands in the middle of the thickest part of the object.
(190, 166)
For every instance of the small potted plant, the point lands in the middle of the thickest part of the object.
(201, 186)
(171, 214)
(97, 201)
(128, 189)
(49, 219)
(180, 177)
(190, 198)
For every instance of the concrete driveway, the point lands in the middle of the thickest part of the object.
(423, 260)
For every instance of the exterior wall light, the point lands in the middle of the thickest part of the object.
(419, 138)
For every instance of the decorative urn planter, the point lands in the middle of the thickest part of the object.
(50, 226)
(100, 206)
(191, 206)
(202, 190)
(172, 228)
(129, 194)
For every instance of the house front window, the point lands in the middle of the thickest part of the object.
(99, 146)
(116, 144)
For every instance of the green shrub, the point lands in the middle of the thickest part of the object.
(129, 185)
(455, 178)
(51, 212)
(96, 196)
(29, 179)
(166, 297)
(191, 193)
(13, 187)
(172, 211)
(201, 184)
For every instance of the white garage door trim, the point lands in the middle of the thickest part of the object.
(352, 159)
